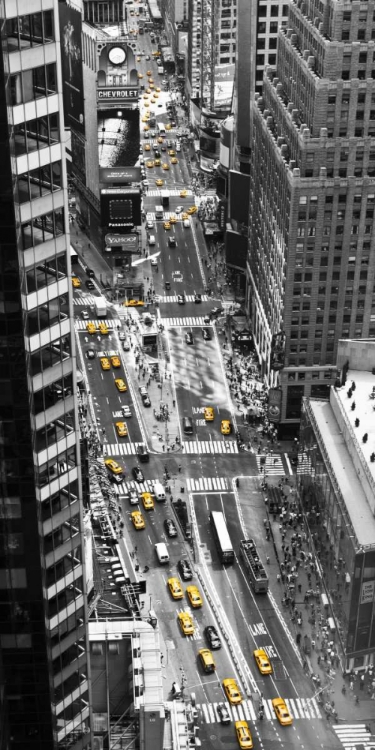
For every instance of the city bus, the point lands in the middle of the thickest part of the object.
(161, 128)
(222, 538)
(73, 255)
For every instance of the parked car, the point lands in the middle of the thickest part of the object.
(170, 527)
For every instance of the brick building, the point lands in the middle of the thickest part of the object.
(312, 199)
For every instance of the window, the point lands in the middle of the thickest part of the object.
(39, 182)
(33, 84)
(36, 134)
(332, 99)
(274, 10)
(362, 59)
(29, 31)
(361, 36)
(262, 27)
(345, 36)
(347, 16)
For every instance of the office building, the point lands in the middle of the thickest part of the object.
(45, 680)
(336, 482)
(312, 200)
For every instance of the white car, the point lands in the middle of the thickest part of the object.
(126, 345)
(149, 224)
(126, 411)
(179, 209)
(84, 315)
(154, 261)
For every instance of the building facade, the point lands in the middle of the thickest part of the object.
(43, 632)
(312, 199)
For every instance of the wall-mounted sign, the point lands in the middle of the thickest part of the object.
(119, 175)
(116, 95)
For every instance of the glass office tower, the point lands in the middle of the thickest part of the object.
(42, 589)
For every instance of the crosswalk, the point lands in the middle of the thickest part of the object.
(300, 708)
(174, 298)
(208, 484)
(194, 447)
(171, 322)
(351, 735)
(120, 449)
(80, 325)
(123, 487)
(89, 300)
(272, 464)
(172, 194)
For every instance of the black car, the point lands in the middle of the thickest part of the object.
(206, 333)
(143, 454)
(172, 242)
(163, 148)
(216, 311)
(185, 570)
(138, 474)
(90, 284)
(197, 298)
(90, 354)
(189, 338)
(90, 273)
(170, 527)
(224, 714)
(146, 400)
(181, 299)
(212, 637)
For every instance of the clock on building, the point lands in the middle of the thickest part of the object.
(116, 55)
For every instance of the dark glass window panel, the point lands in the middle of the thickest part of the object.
(19, 139)
(54, 134)
(16, 89)
(23, 189)
(45, 179)
(51, 79)
(36, 29)
(43, 137)
(56, 175)
(12, 34)
(25, 32)
(48, 26)
(39, 81)
(34, 175)
(32, 135)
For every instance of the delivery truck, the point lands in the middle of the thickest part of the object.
(100, 307)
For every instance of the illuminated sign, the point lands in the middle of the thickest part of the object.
(116, 95)
(119, 174)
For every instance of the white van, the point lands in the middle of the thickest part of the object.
(151, 239)
(162, 552)
(186, 223)
(159, 492)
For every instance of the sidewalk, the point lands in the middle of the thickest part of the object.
(296, 587)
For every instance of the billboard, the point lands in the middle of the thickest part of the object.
(128, 243)
(119, 175)
(274, 404)
(78, 156)
(71, 63)
(223, 91)
(110, 94)
(120, 208)
(239, 193)
(278, 351)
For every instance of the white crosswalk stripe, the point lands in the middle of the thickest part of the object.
(207, 484)
(351, 734)
(173, 298)
(80, 325)
(120, 449)
(172, 193)
(126, 486)
(194, 447)
(272, 465)
(89, 300)
(246, 710)
(172, 322)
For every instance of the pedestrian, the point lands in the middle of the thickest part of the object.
(179, 467)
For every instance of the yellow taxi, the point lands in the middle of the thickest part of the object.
(153, 100)
(167, 225)
(165, 166)
(192, 210)
(194, 596)
(122, 429)
(149, 72)
(225, 427)
(105, 363)
(145, 118)
(209, 413)
(168, 126)
(148, 91)
(133, 303)
(186, 623)
(137, 519)
(121, 385)
(175, 588)
(149, 164)
(76, 282)
(174, 160)
(183, 193)
(156, 53)
(150, 85)
(232, 691)
(90, 327)
(146, 128)
(243, 735)
(103, 329)
(147, 147)
(157, 162)
(184, 216)
(173, 219)
(282, 713)
(146, 104)
(151, 80)
(140, 75)
(139, 59)
(113, 466)
(171, 152)
(116, 361)
(147, 501)
(160, 139)
(159, 183)
(262, 661)
(145, 96)
(158, 89)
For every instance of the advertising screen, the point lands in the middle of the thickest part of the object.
(120, 208)
(71, 59)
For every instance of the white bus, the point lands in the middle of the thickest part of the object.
(222, 538)
(161, 128)
(73, 255)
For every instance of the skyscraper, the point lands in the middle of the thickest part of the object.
(43, 618)
(312, 199)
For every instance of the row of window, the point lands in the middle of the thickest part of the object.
(53, 432)
(60, 500)
(49, 471)
(28, 85)
(45, 316)
(274, 10)
(38, 182)
(42, 228)
(36, 134)
(31, 30)
(64, 566)
(52, 394)
(45, 274)
(41, 360)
